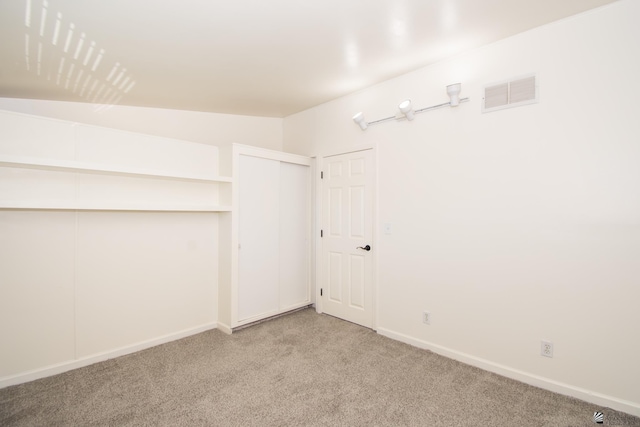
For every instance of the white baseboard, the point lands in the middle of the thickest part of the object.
(632, 408)
(100, 357)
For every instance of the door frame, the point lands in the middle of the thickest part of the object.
(319, 163)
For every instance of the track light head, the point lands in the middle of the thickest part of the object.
(359, 119)
(405, 108)
(454, 94)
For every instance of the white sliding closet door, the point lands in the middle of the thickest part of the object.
(258, 259)
(274, 221)
(294, 234)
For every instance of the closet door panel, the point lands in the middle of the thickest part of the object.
(258, 261)
(294, 234)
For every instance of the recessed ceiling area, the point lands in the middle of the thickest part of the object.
(249, 57)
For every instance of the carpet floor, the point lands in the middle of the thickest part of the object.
(301, 369)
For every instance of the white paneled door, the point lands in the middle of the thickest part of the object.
(347, 252)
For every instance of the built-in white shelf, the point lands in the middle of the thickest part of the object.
(75, 166)
(53, 205)
(83, 167)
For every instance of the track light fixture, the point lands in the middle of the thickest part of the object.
(359, 119)
(405, 108)
(407, 111)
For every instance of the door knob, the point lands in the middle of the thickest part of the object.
(366, 248)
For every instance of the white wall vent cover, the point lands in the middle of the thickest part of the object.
(509, 94)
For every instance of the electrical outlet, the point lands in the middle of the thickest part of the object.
(546, 348)
(426, 317)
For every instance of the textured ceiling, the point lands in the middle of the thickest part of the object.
(253, 57)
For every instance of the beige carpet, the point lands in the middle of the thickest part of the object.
(298, 370)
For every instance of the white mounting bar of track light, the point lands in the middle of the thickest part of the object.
(409, 113)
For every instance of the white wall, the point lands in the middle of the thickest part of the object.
(81, 286)
(78, 287)
(195, 126)
(515, 226)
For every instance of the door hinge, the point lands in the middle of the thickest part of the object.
(321, 233)
(320, 291)
(321, 175)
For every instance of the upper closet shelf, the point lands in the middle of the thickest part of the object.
(87, 206)
(74, 166)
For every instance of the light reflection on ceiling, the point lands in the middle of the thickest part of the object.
(74, 65)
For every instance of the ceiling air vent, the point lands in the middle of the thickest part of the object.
(512, 93)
